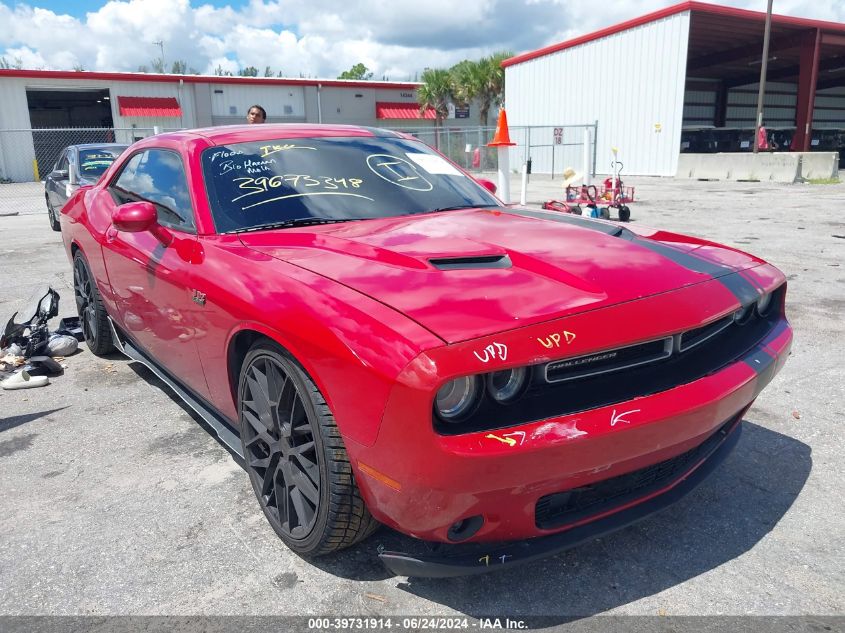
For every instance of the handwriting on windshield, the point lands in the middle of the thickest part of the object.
(249, 166)
(88, 157)
(262, 184)
(306, 195)
(266, 150)
(398, 171)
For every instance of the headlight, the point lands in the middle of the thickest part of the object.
(742, 315)
(458, 398)
(764, 303)
(507, 385)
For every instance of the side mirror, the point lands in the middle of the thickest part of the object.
(59, 174)
(48, 307)
(137, 217)
(489, 185)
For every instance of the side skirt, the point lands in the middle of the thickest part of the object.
(218, 424)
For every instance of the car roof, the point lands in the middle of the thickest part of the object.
(90, 145)
(245, 133)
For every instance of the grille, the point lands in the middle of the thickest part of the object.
(694, 337)
(561, 508)
(612, 360)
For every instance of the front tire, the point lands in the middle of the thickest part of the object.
(92, 315)
(51, 215)
(295, 456)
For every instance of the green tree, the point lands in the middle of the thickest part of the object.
(436, 91)
(158, 66)
(358, 71)
(249, 71)
(483, 81)
(179, 67)
(222, 73)
(16, 65)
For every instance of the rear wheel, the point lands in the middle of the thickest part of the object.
(92, 314)
(51, 215)
(624, 213)
(295, 457)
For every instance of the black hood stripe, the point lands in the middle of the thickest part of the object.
(764, 365)
(745, 292)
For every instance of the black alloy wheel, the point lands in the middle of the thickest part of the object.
(51, 215)
(92, 315)
(295, 457)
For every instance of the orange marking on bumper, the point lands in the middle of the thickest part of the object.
(372, 472)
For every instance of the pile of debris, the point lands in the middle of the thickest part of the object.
(29, 353)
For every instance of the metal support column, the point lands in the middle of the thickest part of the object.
(721, 105)
(807, 79)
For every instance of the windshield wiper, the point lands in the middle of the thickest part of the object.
(457, 207)
(286, 224)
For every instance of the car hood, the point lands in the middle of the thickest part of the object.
(471, 273)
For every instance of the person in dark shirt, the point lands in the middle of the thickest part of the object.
(256, 114)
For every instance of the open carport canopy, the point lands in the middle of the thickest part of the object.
(726, 44)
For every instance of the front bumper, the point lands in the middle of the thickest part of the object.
(443, 561)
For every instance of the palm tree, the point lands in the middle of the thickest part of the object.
(491, 83)
(466, 81)
(436, 92)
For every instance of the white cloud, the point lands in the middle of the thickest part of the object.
(318, 38)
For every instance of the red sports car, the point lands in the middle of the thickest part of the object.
(384, 341)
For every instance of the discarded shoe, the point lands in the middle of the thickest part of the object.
(23, 380)
(43, 366)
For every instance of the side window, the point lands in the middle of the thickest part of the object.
(157, 176)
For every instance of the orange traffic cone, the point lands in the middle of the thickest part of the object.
(501, 137)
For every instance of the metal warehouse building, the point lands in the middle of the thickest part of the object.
(685, 79)
(123, 107)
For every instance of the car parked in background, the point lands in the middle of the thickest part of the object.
(383, 341)
(77, 165)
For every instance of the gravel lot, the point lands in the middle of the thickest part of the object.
(116, 501)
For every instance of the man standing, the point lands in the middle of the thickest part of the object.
(256, 114)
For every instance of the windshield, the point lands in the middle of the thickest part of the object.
(275, 181)
(93, 162)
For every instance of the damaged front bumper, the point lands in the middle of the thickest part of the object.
(438, 560)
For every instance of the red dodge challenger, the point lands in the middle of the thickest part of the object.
(383, 341)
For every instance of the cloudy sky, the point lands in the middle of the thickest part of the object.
(314, 38)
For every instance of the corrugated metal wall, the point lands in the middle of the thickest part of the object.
(638, 106)
(231, 102)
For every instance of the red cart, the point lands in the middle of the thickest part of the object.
(596, 201)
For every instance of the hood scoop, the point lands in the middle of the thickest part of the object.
(476, 262)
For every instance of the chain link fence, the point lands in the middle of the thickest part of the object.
(550, 149)
(27, 156)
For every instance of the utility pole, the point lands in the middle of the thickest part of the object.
(160, 44)
(763, 68)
